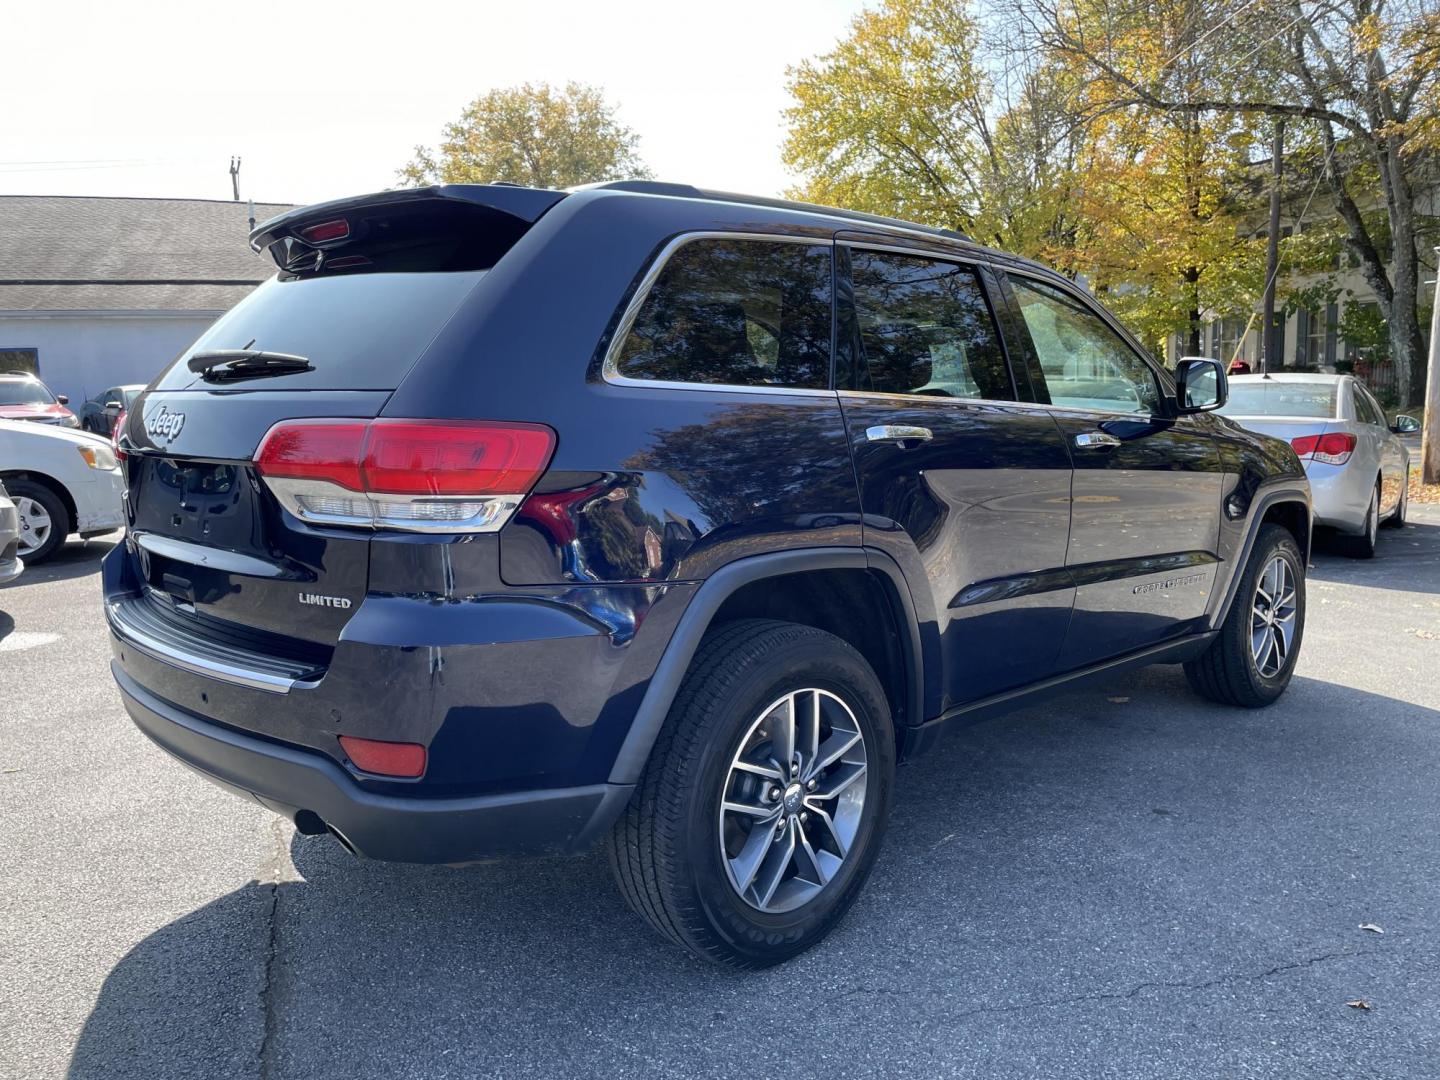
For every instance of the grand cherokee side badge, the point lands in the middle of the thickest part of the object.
(324, 601)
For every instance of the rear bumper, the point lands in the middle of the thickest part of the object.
(1339, 495)
(290, 780)
(11, 569)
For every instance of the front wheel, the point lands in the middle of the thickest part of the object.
(1251, 661)
(761, 809)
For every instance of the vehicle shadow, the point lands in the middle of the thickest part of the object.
(1122, 836)
(1416, 546)
(76, 558)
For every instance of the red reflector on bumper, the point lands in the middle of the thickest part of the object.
(384, 758)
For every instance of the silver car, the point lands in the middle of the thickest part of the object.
(1359, 469)
(10, 562)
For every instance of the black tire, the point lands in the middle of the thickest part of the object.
(665, 850)
(1363, 546)
(1397, 519)
(1227, 671)
(60, 524)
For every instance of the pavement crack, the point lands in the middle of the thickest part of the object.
(1126, 995)
(271, 871)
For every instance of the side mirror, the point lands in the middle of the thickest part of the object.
(63, 399)
(1405, 425)
(112, 406)
(1200, 385)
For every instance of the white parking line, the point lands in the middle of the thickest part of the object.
(22, 639)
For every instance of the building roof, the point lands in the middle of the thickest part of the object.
(82, 253)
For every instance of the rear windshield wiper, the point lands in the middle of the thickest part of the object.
(230, 365)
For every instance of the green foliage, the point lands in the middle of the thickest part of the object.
(533, 135)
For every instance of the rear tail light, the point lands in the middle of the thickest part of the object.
(116, 432)
(384, 758)
(1334, 448)
(416, 475)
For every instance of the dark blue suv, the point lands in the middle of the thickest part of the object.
(506, 521)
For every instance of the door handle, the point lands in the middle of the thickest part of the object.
(1091, 440)
(897, 433)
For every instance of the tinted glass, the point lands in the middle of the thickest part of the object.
(1274, 397)
(736, 312)
(24, 392)
(1368, 408)
(1086, 364)
(360, 332)
(925, 329)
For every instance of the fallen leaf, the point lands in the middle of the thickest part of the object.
(1371, 927)
(1359, 1003)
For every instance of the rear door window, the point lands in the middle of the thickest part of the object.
(736, 313)
(1086, 364)
(924, 327)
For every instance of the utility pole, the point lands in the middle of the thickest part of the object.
(235, 177)
(1430, 434)
(1272, 251)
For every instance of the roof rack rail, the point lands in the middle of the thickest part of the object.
(689, 191)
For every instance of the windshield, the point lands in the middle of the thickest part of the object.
(1281, 398)
(24, 392)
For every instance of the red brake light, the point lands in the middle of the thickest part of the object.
(314, 450)
(1333, 448)
(422, 475)
(384, 758)
(326, 231)
(115, 433)
(420, 457)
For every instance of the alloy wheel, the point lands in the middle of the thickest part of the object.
(35, 525)
(1272, 619)
(793, 799)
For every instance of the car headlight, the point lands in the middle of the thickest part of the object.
(69, 421)
(99, 456)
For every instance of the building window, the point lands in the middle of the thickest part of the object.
(1226, 336)
(18, 360)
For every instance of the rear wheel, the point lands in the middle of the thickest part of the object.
(1397, 519)
(1252, 660)
(44, 521)
(760, 812)
(1363, 546)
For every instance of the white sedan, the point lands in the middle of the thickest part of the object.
(1359, 470)
(61, 482)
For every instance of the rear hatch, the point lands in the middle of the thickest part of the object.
(364, 287)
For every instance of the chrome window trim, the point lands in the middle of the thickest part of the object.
(610, 365)
(886, 395)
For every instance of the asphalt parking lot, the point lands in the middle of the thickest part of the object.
(1126, 882)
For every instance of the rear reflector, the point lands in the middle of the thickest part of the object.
(416, 475)
(1333, 448)
(384, 758)
(325, 232)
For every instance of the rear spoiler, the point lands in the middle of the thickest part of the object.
(505, 209)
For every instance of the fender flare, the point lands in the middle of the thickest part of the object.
(665, 682)
(1261, 504)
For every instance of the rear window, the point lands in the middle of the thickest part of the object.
(359, 331)
(1280, 398)
(737, 313)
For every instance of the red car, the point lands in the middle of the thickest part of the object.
(24, 397)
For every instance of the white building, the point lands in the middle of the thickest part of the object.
(99, 292)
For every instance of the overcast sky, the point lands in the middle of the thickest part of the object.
(323, 99)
